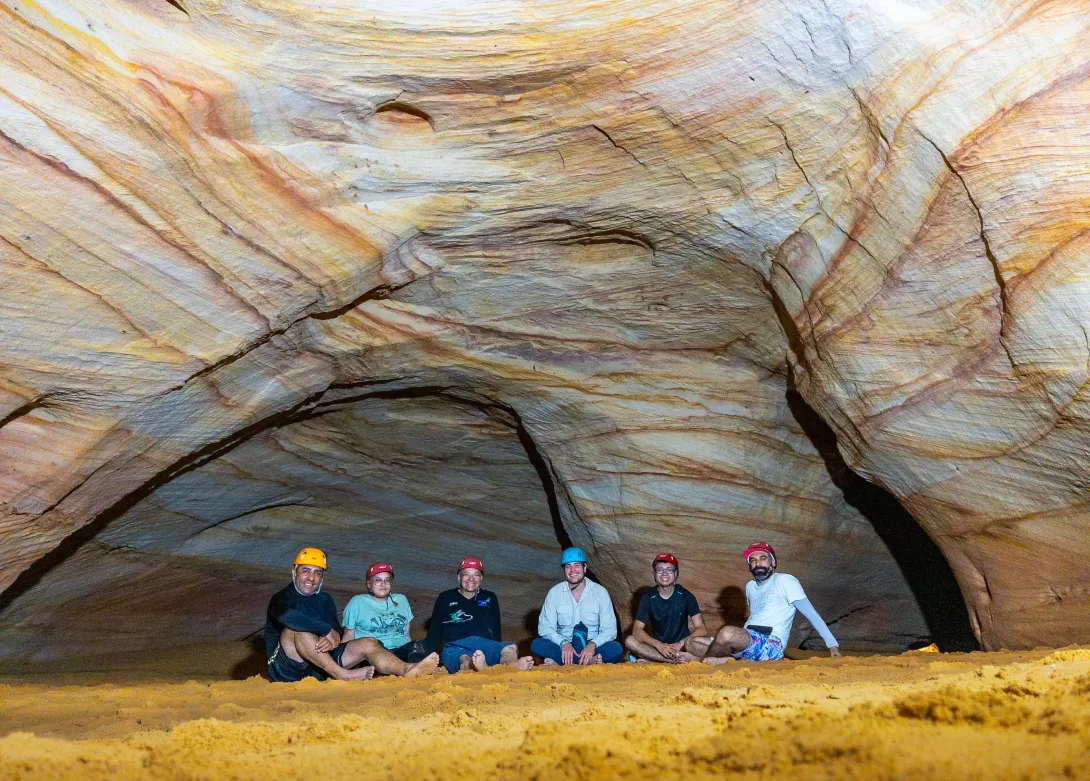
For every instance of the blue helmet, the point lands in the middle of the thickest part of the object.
(572, 554)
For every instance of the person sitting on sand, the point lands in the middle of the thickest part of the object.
(577, 624)
(465, 625)
(772, 598)
(382, 615)
(667, 615)
(301, 639)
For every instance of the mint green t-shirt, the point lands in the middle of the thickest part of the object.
(383, 620)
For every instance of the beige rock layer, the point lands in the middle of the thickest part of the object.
(627, 225)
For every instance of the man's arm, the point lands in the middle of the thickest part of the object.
(697, 627)
(607, 619)
(434, 640)
(546, 621)
(640, 632)
(805, 607)
(494, 619)
(297, 620)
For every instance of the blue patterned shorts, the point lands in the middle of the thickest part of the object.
(762, 648)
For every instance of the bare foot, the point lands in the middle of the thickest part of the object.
(478, 661)
(363, 673)
(597, 659)
(525, 663)
(717, 660)
(550, 663)
(684, 657)
(426, 666)
(643, 661)
(463, 664)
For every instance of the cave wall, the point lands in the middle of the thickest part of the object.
(635, 227)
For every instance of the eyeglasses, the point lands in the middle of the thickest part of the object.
(661, 570)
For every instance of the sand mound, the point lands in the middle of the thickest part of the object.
(965, 716)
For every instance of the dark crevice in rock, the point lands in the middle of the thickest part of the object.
(374, 294)
(921, 562)
(24, 409)
(1000, 281)
(401, 110)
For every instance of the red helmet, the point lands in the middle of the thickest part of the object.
(377, 567)
(759, 547)
(471, 562)
(669, 558)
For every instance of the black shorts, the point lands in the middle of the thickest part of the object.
(410, 653)
(283, 669)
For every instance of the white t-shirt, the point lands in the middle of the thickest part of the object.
(770, 603)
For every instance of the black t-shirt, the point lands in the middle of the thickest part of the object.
(316, 614)
(454, 618)
(667, 620)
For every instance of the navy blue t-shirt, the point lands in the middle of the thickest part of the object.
(667, 620)
(454, 618)
(288, 608)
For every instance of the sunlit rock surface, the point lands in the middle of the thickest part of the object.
(625, 229)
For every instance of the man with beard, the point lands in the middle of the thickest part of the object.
(301, 639)
(668, 615)
(465, 625)
(577, 624)
(773, 598)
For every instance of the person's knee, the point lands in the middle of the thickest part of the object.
(631, 643)
(302, 643)
(367, 644)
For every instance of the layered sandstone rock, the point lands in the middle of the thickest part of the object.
(626, 230)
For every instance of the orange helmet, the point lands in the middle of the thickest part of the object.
(312, 557)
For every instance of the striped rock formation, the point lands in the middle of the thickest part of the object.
(423, 279)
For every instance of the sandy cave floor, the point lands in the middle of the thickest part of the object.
(918, 716)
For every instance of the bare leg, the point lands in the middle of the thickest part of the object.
(694, 649)
(550, 663)
(510, 655)
(698, 646)
(300, 646)
(728, 641)
(645, 652)
(385, 662)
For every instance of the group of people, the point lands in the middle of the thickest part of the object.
(577, 623)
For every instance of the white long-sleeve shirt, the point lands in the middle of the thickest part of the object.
(561, 612)
(773, 602)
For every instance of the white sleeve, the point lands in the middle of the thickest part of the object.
(805, 607)
(607, 620)
(546, 620)
(790, 588)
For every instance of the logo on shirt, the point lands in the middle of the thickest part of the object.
(484, 602)
(387, 624)
(459, 617)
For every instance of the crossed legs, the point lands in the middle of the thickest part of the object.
(728, 641)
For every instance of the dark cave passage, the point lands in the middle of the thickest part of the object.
(919, 558)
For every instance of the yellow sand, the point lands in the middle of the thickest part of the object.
(919, 716)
